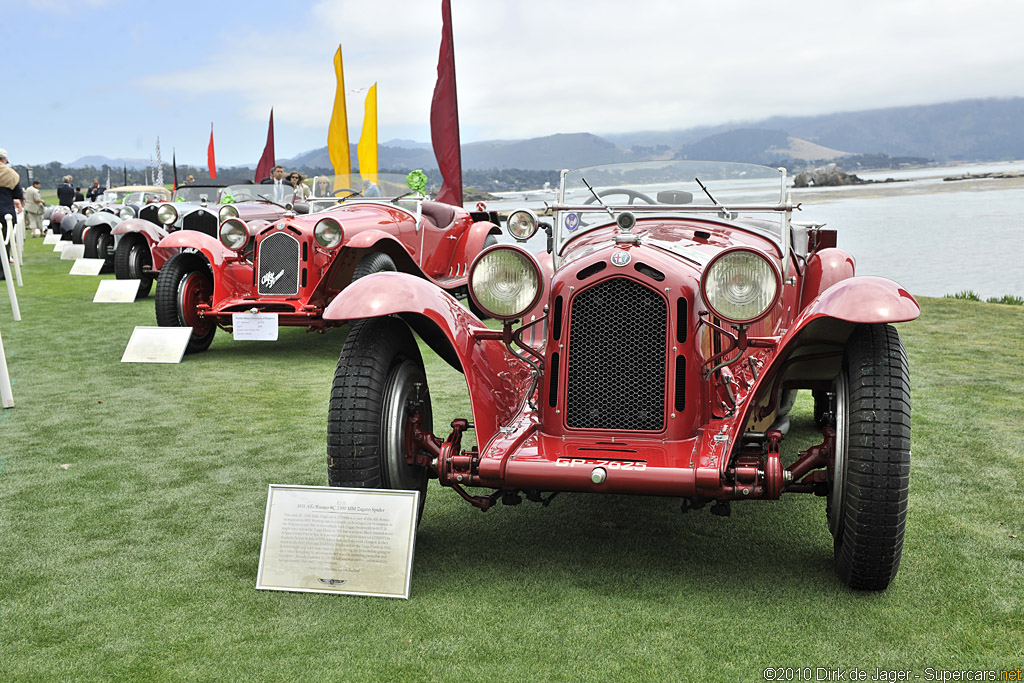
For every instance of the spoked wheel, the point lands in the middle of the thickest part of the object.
(867, 501)
(184, 283)
(131, 260)
(378, 386)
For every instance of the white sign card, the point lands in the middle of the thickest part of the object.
(157, 344)
(58, 248)
(87, 266)
(254, 326)
(116, 291)
(72, 252)
(51, 238)
(324, 539)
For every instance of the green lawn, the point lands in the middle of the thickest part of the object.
(132, 500)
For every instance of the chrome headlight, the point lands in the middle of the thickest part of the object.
(126, 212)
(741, 285)
(328, 233)
(167, 214)
(88, 211)
(505, 282)
(233, 234)
(522, 224)
(227, 212)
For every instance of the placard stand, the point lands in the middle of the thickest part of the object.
(12, 242)
(151, 344)
(87, 266)
(6, 266)
(325, 539)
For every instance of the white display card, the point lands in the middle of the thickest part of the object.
(157, 345)
(116, 291)
(87, 266)
(72, 252)
(51, 238)
(254, 326)
(58, 248)
(324, 539)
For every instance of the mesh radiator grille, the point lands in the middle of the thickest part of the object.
(200, 221)
(617, 343)
(278, 263)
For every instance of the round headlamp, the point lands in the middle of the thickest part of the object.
(88, 211)
(522, 224)
(233, 233)
(227, 212)
(741, 285)
(328, 233)
(505, 282)
(126, 212)
(167, 214)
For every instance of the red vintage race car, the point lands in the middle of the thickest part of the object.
(198, 207)
(655, 350)
(294, 267)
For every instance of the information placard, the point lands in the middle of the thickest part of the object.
(254, 326)
(87, 266)
(58, 248)
(72, 252)
(116, 291)
(324, 539)
(51, 238)
(157, 345)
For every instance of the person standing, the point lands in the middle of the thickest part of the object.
(95, 191)
(11, 197)
(66, 192)
(79, 197)
(34, 207)
(283, 190)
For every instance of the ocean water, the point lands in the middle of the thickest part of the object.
(967, 237)
(933, 237)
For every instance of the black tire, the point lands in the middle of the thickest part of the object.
(867, 501)
(130, 259)
(185, 280)
(489, 242)
(378, 384)
(374, 262)
(98, 242)
(76, 232)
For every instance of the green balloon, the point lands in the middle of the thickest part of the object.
(417, 181)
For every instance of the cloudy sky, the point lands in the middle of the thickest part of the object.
(109, 76)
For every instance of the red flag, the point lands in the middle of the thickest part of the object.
(444, 116)
(209, 155)
(266, 163)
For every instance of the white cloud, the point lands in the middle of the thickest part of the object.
(532, 67)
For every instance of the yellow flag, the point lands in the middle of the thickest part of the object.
(337, 132)
(367, 149)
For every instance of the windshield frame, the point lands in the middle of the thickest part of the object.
(776, 204)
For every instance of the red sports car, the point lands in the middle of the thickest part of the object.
(656, 350)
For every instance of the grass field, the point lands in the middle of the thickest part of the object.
(132, 500)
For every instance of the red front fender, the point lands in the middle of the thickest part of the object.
(811, 349)
(497, 380)
(215, 252)
(153, 233)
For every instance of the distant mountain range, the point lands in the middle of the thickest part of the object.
(968, 130)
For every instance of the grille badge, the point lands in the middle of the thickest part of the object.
(621, 257)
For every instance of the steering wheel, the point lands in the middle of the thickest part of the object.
(632, 194)
(337, 193)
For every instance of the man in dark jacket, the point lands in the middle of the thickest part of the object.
(66, 192)
(95, 191)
